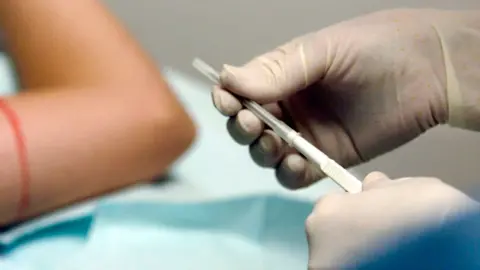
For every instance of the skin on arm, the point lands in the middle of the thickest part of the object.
(95, 112)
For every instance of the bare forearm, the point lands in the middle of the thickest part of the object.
(92, 143)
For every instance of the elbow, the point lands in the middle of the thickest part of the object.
(173, 131)
(169, 135)
(163, 131)
(182, 131)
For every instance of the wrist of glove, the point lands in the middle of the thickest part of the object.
(345, 229)
(459, 35)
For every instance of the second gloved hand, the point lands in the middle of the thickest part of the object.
(344, 229)
(356, 89)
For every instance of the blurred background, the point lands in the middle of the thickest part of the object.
(226, 31)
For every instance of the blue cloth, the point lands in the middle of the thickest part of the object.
(456, 245)
(255, 232)
(8, 83)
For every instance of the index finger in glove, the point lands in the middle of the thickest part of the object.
(225, 102)
(245, 127)
(295, 172)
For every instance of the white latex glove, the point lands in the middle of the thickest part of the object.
(344, 228)
(359, 88)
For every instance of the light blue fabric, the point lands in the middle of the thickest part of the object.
(13, 266)
(8, 85)
(254, 232)
(264, 232)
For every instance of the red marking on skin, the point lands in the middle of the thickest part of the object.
(22, 157)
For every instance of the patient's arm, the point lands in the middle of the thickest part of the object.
(96, 113)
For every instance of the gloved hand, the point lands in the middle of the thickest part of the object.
(345, 228)
(357, 89)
